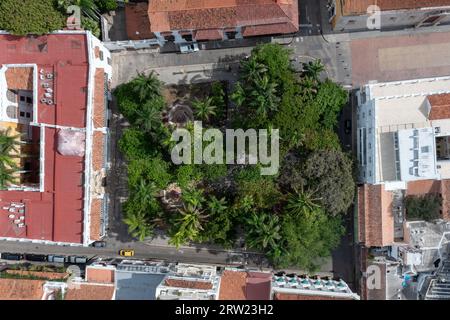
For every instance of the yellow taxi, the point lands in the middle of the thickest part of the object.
(126, 252)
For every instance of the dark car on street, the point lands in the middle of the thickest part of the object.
(348, 126)
(36, 257)
(11, 256)
(99, 244)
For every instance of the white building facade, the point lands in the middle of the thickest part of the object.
(403, 129)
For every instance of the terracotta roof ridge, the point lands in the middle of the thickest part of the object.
(274, 3)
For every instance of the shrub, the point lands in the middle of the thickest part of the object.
(106, 5)
(134, 144)
(426, 207)
(149, 169)
(30, 17)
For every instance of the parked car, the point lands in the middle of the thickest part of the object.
(77, 259)
(11, 256)
(188, 48)
(36, 257)
(58, 259)
(126, 252)
(99, 244)
(348, 126)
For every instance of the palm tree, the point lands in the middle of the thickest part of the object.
(204, 109)
(147, 86)
(138, 225)
(264, 96)
(309, 86)
(263, 232)
(188, 225)
(313, 69)
(238, 95)
(145, 193)
(302, 203)
(149, 118)
(193, 197)
(217, 206)
(246, 204)
(6, 177)
(252, 70)
(8, 167)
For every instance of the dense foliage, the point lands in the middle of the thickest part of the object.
(9, 146)
(426, 207)
(30, 16)
(293, 217)
(45, 16)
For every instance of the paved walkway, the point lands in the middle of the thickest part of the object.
(400, 57)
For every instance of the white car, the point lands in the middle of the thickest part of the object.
(188, 48)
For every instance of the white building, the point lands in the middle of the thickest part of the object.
(403, 131)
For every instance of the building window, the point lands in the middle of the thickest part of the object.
(370, 145)
(231, 34)
(430, 20)
(370, 130)
(187, 37)
(101, 55)
(170, 38)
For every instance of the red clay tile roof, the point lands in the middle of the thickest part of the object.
(99, 98)
(202, 285)
(238, 285)
(208, 34)
(95, 225)
(281, 16)
(232, 285)
(20, 78)
(90, 292)
(445, 192)
(99, 275)
(357, 7)
(137, 21)
(19, 289)
(375, 217)
(98, 144)
(258, 286)
(440, 106)
(421, 187)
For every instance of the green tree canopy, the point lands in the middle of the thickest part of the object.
(30, 17)
(426, 207)
(327, 174)
(307, 236)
